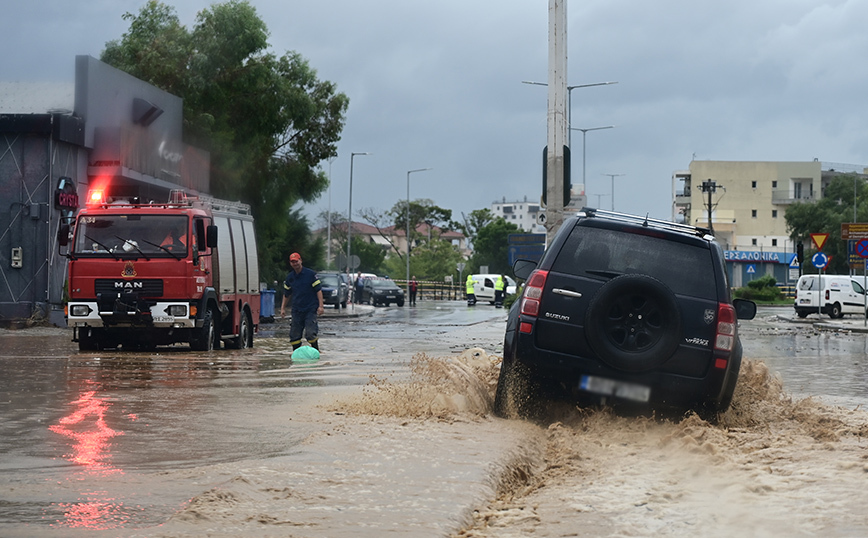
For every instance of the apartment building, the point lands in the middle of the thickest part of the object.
(523, 214)
(744, 202)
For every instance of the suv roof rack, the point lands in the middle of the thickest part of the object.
(647, 222)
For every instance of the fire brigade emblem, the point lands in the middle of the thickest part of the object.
(709, 316)
(129, 271)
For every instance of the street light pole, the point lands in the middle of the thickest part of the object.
(584, 132)
(613, 176)
(408, 225)
(329, 220)
(570, 100)
(350, 214)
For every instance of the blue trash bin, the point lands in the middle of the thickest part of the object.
(266, 303)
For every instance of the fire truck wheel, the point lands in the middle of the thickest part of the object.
(204, 339)
(243, 340)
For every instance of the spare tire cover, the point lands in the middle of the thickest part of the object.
(633, 323)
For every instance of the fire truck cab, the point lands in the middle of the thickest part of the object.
(142, 275)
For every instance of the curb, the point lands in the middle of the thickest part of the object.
(850, 325)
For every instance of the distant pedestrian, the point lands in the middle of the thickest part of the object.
(499, 288)
(471, 293)
(307, 303)
(360, 283)
(414, 286)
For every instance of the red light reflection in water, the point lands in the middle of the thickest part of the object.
(86, 427)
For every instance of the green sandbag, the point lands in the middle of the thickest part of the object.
(305, 353)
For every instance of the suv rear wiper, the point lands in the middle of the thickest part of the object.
(602, 273)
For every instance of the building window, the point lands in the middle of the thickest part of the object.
(753, 184)
(774, 242)
(774, 213)
(774, 184)
(753, 214)
(753, 241)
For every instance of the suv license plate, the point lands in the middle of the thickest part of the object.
(390, 297)
(610, 387)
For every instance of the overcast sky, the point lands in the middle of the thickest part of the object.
(439, 85)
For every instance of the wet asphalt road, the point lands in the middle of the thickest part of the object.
(119, 441)
(86, 436)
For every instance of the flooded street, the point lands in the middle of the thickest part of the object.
(390, 433)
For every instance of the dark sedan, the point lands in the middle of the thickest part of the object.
(382, 291)
(334, 290)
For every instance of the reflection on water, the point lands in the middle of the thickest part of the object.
(86, 428)
(90, 437)
(95, 515)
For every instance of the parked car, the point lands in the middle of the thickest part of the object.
(382, 291)
(834, 295)
(335, 290)
(623, 310)
(484, 286)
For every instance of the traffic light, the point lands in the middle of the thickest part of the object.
(800, 252)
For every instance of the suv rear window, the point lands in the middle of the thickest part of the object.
(599, 252)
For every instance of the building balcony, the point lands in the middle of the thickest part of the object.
(786, 197)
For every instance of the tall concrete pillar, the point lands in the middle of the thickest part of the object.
(557, 117)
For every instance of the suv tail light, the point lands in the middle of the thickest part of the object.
(533, 293)
(724, 339)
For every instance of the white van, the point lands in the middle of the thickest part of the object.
(483, 286)
(834, 295)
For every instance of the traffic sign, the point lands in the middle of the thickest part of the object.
(862, 248)
(751, 269)
(854, 230)
(820, 260)
(819, 240)
(794, 262)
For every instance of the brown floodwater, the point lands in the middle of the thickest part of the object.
(390, 433)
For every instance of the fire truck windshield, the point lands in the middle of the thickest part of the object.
(134, 235)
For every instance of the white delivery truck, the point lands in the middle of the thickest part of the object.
(834, 295)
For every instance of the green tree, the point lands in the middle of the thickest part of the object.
(422, 210)
(371, 255)
(491, 246)
(266, 120)
(431, 260)
(826, 216)
(477, 220)
(274, 251)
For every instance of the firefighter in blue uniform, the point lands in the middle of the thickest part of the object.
(304, 287)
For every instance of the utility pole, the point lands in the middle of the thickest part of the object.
(710, 186)
(557, 118)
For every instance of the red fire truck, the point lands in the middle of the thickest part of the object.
(142, 275)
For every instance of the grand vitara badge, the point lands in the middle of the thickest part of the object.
(129, 271)
(708, 317)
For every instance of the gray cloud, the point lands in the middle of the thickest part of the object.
(439, 85)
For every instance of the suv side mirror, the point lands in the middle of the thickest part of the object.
(744, 309)
(523, 268)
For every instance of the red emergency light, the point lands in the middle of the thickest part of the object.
(95, 197)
